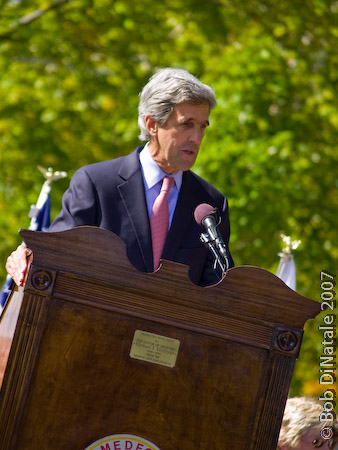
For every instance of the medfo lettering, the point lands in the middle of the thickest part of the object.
(122, 442)
(124, 445)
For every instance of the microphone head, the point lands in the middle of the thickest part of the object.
(203, 210)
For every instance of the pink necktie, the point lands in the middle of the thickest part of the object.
(159, 220)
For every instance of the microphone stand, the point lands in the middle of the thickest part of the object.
(218, 249)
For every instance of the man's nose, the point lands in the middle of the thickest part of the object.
(196, 135)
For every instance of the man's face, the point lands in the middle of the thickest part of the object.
(312, 439)
(174, 146)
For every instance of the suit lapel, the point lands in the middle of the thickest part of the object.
(132, 194)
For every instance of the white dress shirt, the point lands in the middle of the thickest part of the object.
(152, 178)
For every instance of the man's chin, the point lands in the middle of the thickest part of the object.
(189, 162)
(187, 167)
(184, 164)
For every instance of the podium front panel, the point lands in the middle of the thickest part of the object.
(101, 349)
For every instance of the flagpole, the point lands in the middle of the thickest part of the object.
(35, 216)
(50, 176)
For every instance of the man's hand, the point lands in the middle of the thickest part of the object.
(16, 264)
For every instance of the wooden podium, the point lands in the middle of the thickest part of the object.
(100, 349)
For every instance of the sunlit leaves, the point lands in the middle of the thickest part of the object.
(69, 84)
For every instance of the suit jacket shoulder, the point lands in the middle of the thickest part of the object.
(110, 195)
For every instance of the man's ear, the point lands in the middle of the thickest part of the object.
(151, 125)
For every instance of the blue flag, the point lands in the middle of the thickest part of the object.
(5, 292)
(40, 222)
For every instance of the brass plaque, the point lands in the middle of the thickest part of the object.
(154, 348)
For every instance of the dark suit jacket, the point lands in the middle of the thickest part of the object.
(111, 195)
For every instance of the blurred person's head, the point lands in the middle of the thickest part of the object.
(302, 429)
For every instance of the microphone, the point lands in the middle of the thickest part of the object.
(205, 215)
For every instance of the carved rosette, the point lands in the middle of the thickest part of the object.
(287, 340)
(40, 280)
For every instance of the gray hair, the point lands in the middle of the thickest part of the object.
(167, 88)
(301, 415)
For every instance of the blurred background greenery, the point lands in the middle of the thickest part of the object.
(70, 75)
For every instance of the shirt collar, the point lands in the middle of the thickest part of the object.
(152, 173)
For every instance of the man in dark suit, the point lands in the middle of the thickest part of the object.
(119, 194)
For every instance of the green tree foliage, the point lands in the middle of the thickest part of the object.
(70, 74)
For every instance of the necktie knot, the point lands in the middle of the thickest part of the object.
(167, 184)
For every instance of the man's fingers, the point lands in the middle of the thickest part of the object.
(16, 264)
(15, 271)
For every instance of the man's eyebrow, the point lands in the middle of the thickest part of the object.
(189, 119)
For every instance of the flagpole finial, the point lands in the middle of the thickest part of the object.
(289, 244)
(52, 175)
